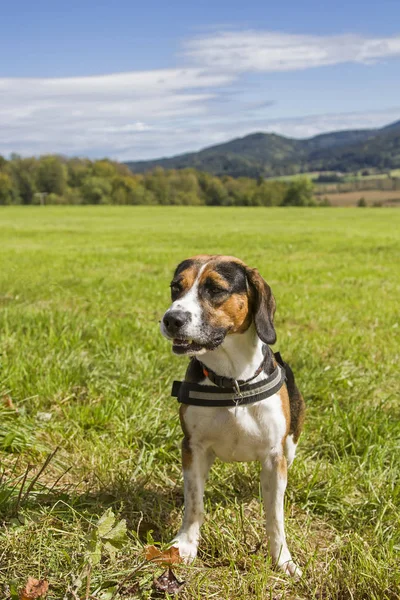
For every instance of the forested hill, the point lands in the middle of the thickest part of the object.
(269, 154)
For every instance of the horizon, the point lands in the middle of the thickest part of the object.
(151, 81)
(252, 133)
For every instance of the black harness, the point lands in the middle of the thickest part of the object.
(229, 392)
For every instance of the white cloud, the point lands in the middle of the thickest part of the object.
(148, 114)
(99, 114)
(241, 51)
(303, 127)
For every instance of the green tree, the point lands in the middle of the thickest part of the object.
(300, 193)
(78, 170)
(104, 168)
(270, 193)
(51, 175)
(6, 189)
(23, 173)
(3, 163)
(130, 190)
(96, 190)
(215, 192)
(157, 182)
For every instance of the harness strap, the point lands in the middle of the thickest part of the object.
(228, 382)
(206, 395)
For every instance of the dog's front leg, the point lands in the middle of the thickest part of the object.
(273, 482)
(196, 463)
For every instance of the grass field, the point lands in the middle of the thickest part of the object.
(85, 370)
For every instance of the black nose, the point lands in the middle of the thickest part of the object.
(174, 320)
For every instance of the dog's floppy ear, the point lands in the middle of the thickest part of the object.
(263, 306)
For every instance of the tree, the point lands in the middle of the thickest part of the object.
(130, 190)
(96, 190)
(104, 168)
(157, 182)
(51, 176)
(23, 173)
(215, 193)
(270, 193)
(3, 163)
(78, 170)
(6, 189)
(300, 193)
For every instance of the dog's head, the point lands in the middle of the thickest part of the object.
(215, 296)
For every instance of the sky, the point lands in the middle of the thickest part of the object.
(138, 80)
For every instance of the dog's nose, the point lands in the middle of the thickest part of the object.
(174, 320)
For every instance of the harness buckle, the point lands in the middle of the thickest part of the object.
(238, 393)
(237, 388)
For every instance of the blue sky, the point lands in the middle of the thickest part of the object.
(137, 81)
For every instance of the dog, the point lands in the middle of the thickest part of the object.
(239, 400)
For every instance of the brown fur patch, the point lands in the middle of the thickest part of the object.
(234, 313)
(182, 409)
(186, 454)
(285, 403)
(216, 278)
(188, 277)
(282, 466)
(298, 408)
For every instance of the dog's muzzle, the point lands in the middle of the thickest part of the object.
(174, 321)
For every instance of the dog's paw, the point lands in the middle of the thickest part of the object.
(290, 568)
(187, 549)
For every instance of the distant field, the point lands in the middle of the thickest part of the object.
(370, 196)
(84, 369)
(347, 178)
(309, 174)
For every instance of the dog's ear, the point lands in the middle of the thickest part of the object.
(263, 306)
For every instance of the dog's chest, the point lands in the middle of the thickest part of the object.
(238, 434)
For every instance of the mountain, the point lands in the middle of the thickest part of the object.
(269, 154)
(392, 127)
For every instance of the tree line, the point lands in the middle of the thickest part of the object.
(57, 180)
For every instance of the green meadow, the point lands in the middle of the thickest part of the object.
(87, 422)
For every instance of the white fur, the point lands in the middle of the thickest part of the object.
(189, 302)
(246, 433)
(290, 449)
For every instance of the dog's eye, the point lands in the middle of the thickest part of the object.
(175, 288)
(216, 290)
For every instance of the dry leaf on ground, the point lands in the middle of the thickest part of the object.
(34, 588)
(8, 403)
(168, 557)
(167, 582)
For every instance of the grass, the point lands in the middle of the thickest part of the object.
(86, 371)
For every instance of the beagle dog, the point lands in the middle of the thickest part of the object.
(239, 400)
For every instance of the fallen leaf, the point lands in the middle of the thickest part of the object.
(34, 588)
(167, 582)
(117, 534)
(8, 403)
(168, 557)
(108, 535)
(105, 523)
